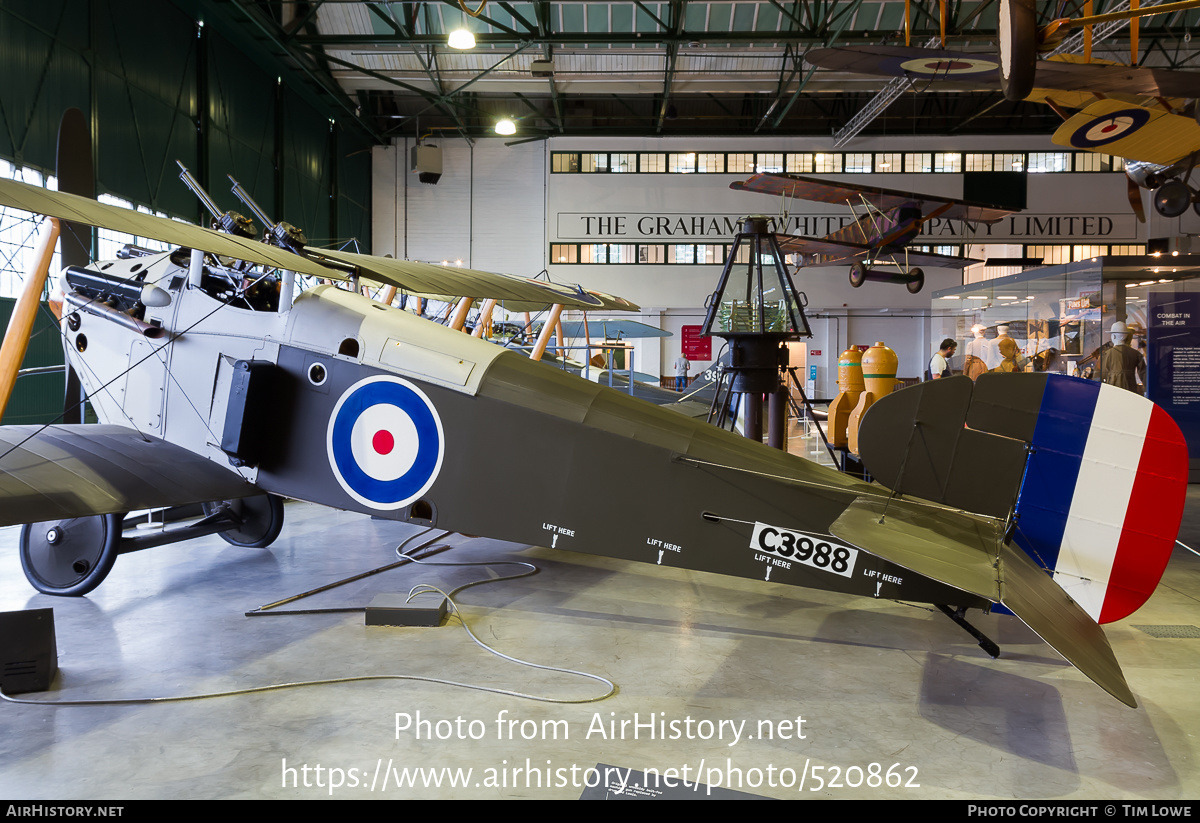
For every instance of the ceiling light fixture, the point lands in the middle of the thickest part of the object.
(461, 39)
(506, 127)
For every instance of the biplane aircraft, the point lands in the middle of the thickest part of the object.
(213, 386)
(880, 234)
(1162, 143)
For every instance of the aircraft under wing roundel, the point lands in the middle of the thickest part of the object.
(949, 69)
(878, 237)
(1134, 132)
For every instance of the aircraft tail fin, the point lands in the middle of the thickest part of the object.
(1098, 475)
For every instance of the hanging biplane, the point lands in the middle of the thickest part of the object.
(880, 234)
(1162, 143)
(213, 385)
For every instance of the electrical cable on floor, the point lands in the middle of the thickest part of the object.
(422, 588)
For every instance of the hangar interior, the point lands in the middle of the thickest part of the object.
(631, 120)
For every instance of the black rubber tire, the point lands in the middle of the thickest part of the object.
(1172, 198)
(858, 274)
(79, 558)
(263, 516)
(918, 281)
(1018, 48)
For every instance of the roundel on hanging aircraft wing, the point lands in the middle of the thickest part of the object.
(385, 442)
(948, 65)
(1109, 128)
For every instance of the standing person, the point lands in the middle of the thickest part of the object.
(682, 367)
(939, 364)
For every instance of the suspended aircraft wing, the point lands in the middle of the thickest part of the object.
(430, 278)
(822, 251)
(611, 328)
(1129, 131)
(838, 193)
(410, 276)
(972, 71)
(56, 472)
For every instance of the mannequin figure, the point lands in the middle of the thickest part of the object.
(977, 353)
(1122, 365)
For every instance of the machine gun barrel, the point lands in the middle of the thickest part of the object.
(229, 222)
(282, 234)
(198, 190)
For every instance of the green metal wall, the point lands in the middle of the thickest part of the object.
(37, 398)
(158, 87)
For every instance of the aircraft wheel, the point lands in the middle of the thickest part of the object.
(262, 520)
(1018, 48)
(858, 274)
(1172, 198)
(917, 282)
(71, 557)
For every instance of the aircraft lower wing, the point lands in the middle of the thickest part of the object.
(972, 71)
(58, 472)
(968, 552)
(821, 251)
(1130, 131)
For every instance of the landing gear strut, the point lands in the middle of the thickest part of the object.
(71, 557)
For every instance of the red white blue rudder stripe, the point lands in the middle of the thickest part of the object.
(385, 442)
(1103, 494)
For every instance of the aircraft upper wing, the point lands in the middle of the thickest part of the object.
(836, 192)
(410, 276)
(956, 69)
(56, 472)
(84, 210)
(834, 251)
(1129, 131)
(428, 278)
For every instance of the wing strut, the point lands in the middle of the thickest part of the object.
(20, 325)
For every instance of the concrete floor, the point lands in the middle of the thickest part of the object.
(875, 682)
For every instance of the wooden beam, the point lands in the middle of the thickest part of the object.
(460, 313)
(539, 348)
(485, 317)
(20, 325)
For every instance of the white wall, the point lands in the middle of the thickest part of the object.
(499, 208)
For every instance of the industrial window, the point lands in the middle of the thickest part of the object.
(651, 253)
(889, 163)
(976, 161)
(710, 163)
(769, 164)
(1050, 255)
(947, 162)
(1087, 252)
(1127, 250)
(622, 163)
(1041, 162)
(710, 253)
(857, 164)
(653, 163)
(593, 253)
(622, 253)
(800, 164)
(19, 233)
(921, 163)
(1090, 161)
(561, 161)
(564, 253)
(681, 163)
(682, 253)
(741, 163)
(593, 162)
(827, 163)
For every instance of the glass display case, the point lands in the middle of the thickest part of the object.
(1061, 319)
